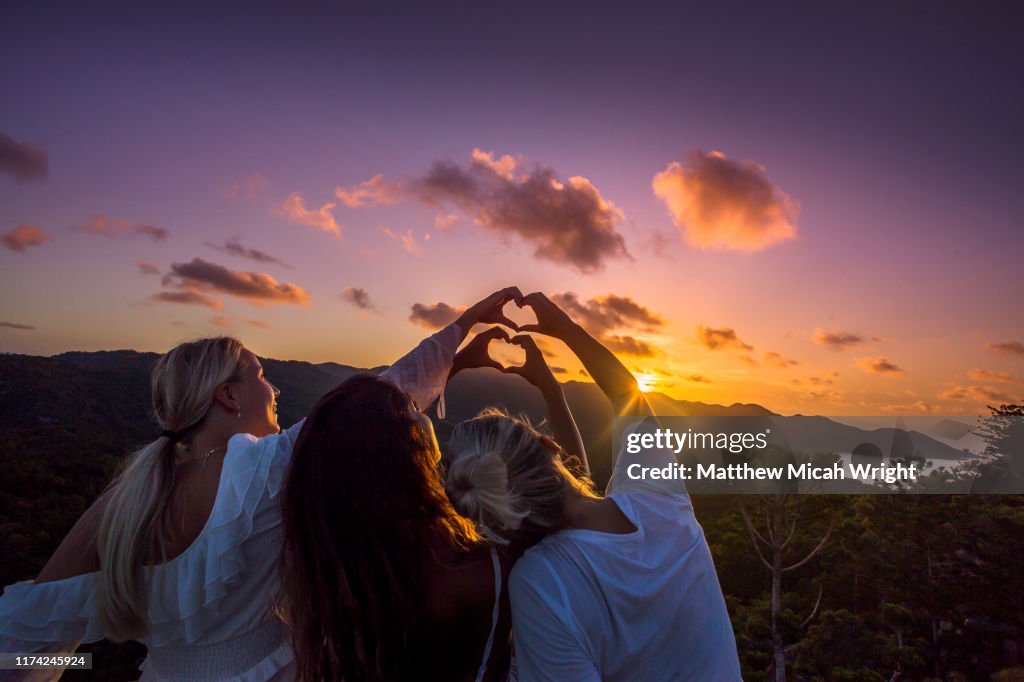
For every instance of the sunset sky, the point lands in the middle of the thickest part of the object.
(814, 206)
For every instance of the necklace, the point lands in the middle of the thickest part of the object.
(207, 455)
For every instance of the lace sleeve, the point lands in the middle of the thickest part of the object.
(423, 372)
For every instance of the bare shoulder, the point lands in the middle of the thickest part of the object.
(77, 553)
(470, 575)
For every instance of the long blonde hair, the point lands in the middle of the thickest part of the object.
(134, 520)
(508, 478)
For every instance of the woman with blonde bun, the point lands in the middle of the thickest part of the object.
(181, 552)
(620, 587)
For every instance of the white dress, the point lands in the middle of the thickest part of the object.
(211, 607)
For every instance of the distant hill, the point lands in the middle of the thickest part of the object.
(66, 422)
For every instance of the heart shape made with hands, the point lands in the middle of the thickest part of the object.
(506, 353)
(519, 314)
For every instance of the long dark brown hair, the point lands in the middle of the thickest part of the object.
(363, 509)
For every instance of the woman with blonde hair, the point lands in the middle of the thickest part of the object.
(607, 588)
(181, 551)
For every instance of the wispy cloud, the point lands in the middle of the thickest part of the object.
(1007, 348)
(23, 237)
(723, 203)
(837, 340)
(255, 287)
(604, 314)
(977, 394)
(812, 381)
(878, 365)
(104, 226)
(294, 210)
(610, 311)
(628, 345)
(989, 375)
(234, 247)
(445, 221)
(22, 160)
(697, 378)
(249, 187)
(147, 268)
(187, 297)
(372, 192)
(16, 325)
(358, 297)
(259, 324)
(407, 240)
(434, 315)
(721, 338)
(568, 223)
(775, 360)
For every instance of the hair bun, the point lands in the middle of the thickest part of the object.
(477, 484)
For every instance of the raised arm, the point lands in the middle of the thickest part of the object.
(537, 372)
(423, 372)
(563, 426)
(617, 383)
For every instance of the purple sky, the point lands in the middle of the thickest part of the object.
(791, 174)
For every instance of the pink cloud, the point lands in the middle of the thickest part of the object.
(627, 345)
(837, 340)
(407, 240)
(1007, 348)
(372, 192)
(187, 297)
(147, 268)
(775, 360)
(721, 203)
(989, 375)
(610, 311)
(567, 223)
(879, 365)
(721, 339)
(104, 226)
(977, 394)
(256, 287)
(24, 236)
(250, 187)
(294, 210)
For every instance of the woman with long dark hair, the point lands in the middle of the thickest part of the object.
(382, 579)
(181, 551)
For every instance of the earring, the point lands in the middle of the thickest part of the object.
(239, 414)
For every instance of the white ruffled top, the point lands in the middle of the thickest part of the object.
(211, 607)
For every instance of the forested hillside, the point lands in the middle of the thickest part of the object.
(873, 587)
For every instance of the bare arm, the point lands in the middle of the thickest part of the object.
(617, 382)
(77, 553)
(563, 426)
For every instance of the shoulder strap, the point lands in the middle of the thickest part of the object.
(494, 615)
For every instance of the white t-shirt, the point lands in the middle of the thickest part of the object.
(646, 605)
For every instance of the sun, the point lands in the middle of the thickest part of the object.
(646, 381)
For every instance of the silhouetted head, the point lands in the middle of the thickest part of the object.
(363, 508)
